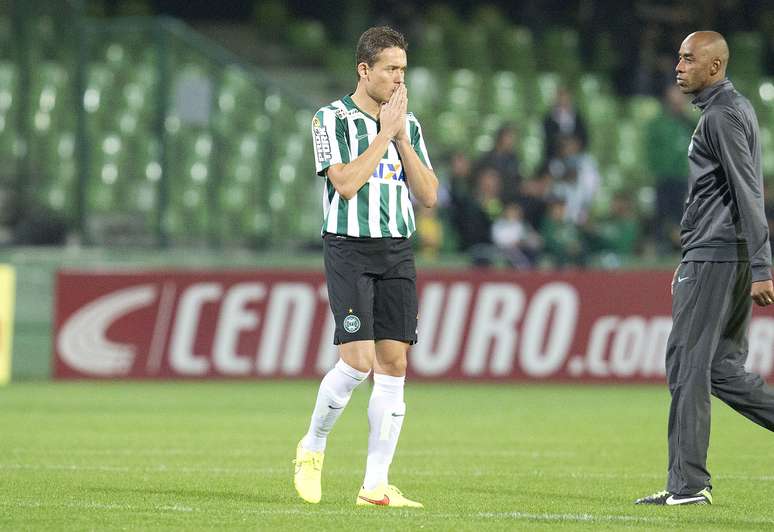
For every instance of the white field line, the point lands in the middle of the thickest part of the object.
(161, 468)
(87, 505)
(268, 471)
(601, 518)
(307, 511)
(257, 451)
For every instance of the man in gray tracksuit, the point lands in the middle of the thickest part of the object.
(726, 263)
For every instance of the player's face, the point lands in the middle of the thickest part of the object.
(693, 67)
(386, 74)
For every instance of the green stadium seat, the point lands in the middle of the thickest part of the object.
(602, 116)
(452, 130)
(630, 146)
(485, 132)
(509, 97)
(605, 54)
(431, 51)
(589, 87)
(115, 55)
(8, 76)
(748, 53)
(8, 146)
(6, 37)
(767, 148)
(532, 145)
(424, 87)
(8, 131)
(308, 38)
(546, 87)
(464, 91)
(445, 17)
(472, 48)
(515, 51)
(57, 196)
(643, 109)
(559, 49)
(765, 99)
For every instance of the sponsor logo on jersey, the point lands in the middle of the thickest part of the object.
(392, 171)
(322, 144)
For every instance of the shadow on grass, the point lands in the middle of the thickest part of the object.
(188, 495)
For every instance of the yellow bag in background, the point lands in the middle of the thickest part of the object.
(7, 297)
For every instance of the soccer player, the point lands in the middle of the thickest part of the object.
(726, 263)
(371, 152)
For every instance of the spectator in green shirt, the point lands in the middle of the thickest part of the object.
(667, 139)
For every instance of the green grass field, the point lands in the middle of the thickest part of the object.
(218, 456)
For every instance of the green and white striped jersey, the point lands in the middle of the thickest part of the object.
(381, 208)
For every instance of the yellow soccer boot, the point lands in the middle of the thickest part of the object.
(308, 472)
(385, 495)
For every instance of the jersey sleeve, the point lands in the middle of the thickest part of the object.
(418, 141)
(329, 138)
(732, 148)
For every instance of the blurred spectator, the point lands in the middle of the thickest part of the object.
(616, 237)
(644, 80)
(656, 66)
(460, 180)
(667, 139)
(429, 232)
(40, 226)
(489, 184)
(563, 120)
(472, 216)
(515, 238)
(535, 194)
(503, 159)
(579, 179)
(562, 240)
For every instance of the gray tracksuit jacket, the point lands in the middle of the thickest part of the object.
(724, 218)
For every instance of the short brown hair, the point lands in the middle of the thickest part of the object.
(376, 39)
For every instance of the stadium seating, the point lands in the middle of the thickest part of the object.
(238, 161)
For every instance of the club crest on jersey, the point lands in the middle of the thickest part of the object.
(351, 324)
(392, 171)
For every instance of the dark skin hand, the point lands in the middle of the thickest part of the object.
(762, 292)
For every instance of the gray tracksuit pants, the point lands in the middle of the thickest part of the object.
(706, 352)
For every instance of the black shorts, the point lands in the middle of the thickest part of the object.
(372, 288)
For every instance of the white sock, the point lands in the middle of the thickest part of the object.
(335, 391)
(386, 411)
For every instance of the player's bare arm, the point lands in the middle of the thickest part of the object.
(421, 180)
(348, 178)
(762, 292)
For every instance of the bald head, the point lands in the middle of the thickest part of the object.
(712, 45)
(703, 61)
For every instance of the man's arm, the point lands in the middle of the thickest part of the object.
(421, 179)
(735, 157)
(348, 178)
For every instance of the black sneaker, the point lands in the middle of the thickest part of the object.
(666, 498)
